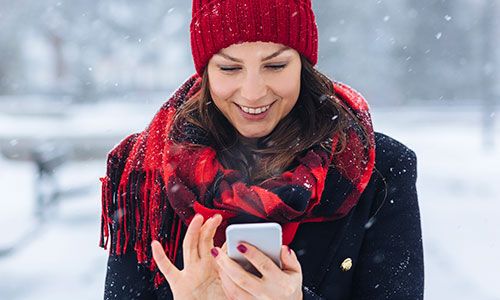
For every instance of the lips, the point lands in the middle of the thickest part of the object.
(254, 117)
(255, 110)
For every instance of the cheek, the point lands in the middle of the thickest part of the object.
(221, 89)
(288, 88)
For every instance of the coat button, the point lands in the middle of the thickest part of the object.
(346, 264)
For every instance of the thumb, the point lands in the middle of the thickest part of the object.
(289, 260)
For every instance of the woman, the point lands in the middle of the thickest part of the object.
(259, 135)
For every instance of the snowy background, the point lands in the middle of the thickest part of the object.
(85, 75)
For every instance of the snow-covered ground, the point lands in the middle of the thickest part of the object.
(458, 192)
(458, 195)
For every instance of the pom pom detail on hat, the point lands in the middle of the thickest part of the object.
(218, 24)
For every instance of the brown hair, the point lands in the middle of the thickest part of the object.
(316, 116)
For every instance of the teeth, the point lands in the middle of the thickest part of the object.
(255, 111)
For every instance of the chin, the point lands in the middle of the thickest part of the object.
(254, 134)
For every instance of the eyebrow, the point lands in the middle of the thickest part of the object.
(264, 59)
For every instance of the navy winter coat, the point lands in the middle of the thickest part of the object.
(375, 252)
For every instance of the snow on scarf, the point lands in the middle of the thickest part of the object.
(153, 188)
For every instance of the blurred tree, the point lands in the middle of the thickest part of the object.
(359, 42)
(489, 65)
(9, 49)
(435, 52)
(95, 44)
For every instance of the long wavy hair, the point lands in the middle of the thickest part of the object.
(315, 118)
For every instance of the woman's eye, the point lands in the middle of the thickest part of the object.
(277, 67)
(227, 69)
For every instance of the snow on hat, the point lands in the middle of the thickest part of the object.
(217, 24)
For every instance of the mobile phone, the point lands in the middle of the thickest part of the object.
(266, 237)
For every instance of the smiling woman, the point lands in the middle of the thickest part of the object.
(258, 134)
(246, 106)
(255, 89)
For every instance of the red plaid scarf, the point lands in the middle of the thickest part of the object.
(153, 187)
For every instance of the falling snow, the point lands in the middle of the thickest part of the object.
(455, 178)
(333, 39)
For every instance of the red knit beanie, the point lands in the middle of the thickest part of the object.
(217, 24)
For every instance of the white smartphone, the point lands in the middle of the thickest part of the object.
(265, 236)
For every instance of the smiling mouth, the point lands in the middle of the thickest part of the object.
(255, 110)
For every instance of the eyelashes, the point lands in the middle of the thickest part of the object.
(272, 67)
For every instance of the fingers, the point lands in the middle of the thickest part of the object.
(232, 290)
(259, 260)
(206, 240)
(289, 260)
(236, 273)
(223, 249)
(190, 243)
(166, 267)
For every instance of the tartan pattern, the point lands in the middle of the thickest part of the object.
(153, 187)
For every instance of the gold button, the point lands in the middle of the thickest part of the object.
(346, 264)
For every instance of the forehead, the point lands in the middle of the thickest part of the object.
(254, 45)
(262, 50)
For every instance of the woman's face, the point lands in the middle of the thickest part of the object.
(255, 85)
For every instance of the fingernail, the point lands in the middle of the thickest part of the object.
(214, 252)
(289, 250)
(242, 248)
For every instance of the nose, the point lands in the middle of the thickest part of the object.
(253, 88)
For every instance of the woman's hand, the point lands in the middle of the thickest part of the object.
(199, 278)
(274, 284)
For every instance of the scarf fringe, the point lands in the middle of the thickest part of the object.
(133, 215)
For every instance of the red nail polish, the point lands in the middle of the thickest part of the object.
(214, 252)
(242, 248)
(289, 250)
